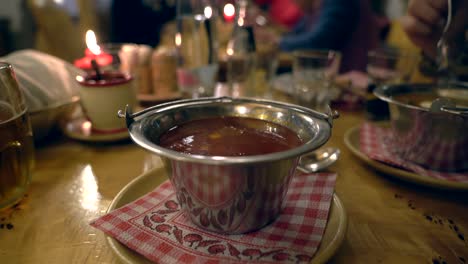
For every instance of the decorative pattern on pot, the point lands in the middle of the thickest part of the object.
(231, 198)
(424, 138)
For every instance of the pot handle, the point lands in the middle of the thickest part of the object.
(447, 106)
(130, 117)
(127, 114)
(455, 110)
(331, 115)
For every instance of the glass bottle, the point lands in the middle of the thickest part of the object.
(196, 48)
(241, 54)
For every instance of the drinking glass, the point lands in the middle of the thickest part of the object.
(390, 65)
(16, 140)
(267, 65)
(313, 75)
(196, 47)
(241, 54)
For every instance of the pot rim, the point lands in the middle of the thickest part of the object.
(310, 145)
(379, 92)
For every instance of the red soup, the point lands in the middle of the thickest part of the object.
(229, 136)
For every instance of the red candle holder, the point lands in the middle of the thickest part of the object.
(229, 12)
(102, 59)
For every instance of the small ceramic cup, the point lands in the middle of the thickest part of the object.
(102, 98)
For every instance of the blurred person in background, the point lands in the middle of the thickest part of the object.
(140, 21)
(348, 26)
(425, 19)
(424, 23)
(282, 12)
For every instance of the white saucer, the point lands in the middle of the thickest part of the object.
(82, 129)
(332, 238)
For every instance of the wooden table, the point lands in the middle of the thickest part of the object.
(390, 221)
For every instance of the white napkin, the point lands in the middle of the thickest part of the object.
(45, 80)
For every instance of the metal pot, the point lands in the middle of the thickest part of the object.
(434, 136)
(229, 194)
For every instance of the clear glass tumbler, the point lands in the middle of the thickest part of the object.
(267, 65)
(16, 140)
(313, 75)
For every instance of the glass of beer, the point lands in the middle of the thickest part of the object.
(16, 141)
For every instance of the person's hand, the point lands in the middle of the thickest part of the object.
(423, 23)
(266, 35)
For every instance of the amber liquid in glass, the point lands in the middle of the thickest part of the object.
(16, 155)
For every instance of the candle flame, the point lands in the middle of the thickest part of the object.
(91, 42)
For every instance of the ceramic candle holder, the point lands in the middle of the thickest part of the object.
(102, 98)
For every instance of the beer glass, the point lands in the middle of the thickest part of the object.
(16, 140)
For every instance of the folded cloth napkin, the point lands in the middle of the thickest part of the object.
(45, 80)
(155, 227)
(373, 140)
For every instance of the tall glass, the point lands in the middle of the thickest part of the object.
(267, 65)
(16, 141)
(241, 54)
(313, 75)
(196, 46)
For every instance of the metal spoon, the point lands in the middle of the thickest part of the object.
(442, 45)
(318, 160)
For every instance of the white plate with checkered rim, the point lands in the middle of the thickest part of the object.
(352, 141)
(332, 238)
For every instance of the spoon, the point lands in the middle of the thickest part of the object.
(442, 45)
(318, 160)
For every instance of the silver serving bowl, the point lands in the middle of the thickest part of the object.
(229, 194)
(433, 136)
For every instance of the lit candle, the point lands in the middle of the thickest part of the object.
(93, 52)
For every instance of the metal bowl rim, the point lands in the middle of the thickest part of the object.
(307, 146)
(379, 93)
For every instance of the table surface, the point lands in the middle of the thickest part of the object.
(389, 221)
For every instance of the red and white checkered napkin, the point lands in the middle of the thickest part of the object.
(373, 143)
(155, 227)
